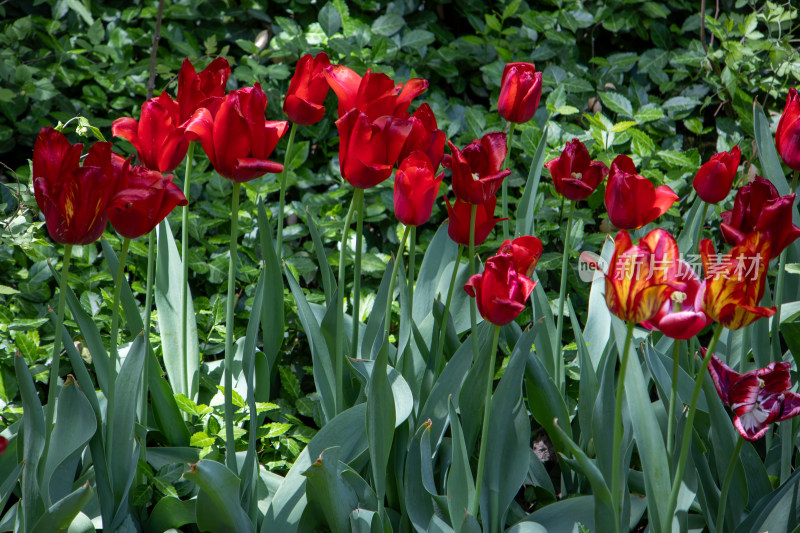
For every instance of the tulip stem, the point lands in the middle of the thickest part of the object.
(282, 201)
(673, 397)
(437, 362)
(509, 138)
(473, 309)
(700, 225)
(357, 271)
(687, 430)
(559, 362)
(112, 367)
(230, 443)
(339, 368)
(52, 386)
(148, 304)
(387, 323)
(616, 481)
(726, 485)
(185, 260)
(412, 259)
(487, 404)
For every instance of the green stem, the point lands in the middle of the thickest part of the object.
(443, 324)
(52, 386)
(126, 242)
(616, 481)
(473, 309)
(726, 485)
(148, 305)
(702, 221)
(559, 362)
(282, 201)
(357, 272)
(509, 138)
(673, 397)
(185, 263)
(230, 443)
(339, 356)
(387, 323)
(487, 404)
(412, 267)
(687, 430)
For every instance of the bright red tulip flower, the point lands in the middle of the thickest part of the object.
(304, 103)
(237, 139)
(524, 251)
(735, 281)
(759, 207)
(73, 197)
(520, 91)
(682, 316)
(375, 95)
(631, 199)
(425, 136)
(500, 291)
(157, 136)
(201, 89)
(476, 169)
(415, 188)
(369, 150)
(715, 178)
(575, 175)
(144, 199)
(459, 214)
(757, 398)
(787, 138)
(636, 287)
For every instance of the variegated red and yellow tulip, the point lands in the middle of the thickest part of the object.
(639, 280)
(735, 281)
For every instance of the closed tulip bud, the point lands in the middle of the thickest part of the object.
(520, 92)
(425, 136)
(500, 291)
(204, 89)
(459, 214)
(415, 189)
(715, 178)
(307, 90)
(787, 137)
(524, 251)
(631, 199)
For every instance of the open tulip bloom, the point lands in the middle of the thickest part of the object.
(757, 398)
(204, 89)
(477, 173)
(425, 136)
(682, 315)
(631, 199)
(787, 137)
(524, 251)
(575, 175)
(715, 178)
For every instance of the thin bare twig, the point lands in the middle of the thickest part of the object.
(151, 82)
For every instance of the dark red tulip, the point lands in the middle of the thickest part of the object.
(500, 291)
(757, 398)
(201, 89)
(425, 136)
(307, 90)
(3, 444)
(520, 91)
(73, 197)
(787, 138)
(575, 175)
(632, 200)
(715, 178)
(237, 139)
(144, 199)
(682, 316)
(524, 251)
(415, 187)
(369, 150)
(460, 213)
(157, 136)
(375, 95)
(759, 207)
(476, 169)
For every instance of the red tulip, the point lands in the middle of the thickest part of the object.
(145, 198)
(460, 213)
(237, 139)
(757, 398)
(476, 169)
(425, 136)
(375, 95)
(787, 138)
(307, 90)
(735, 281)
(368, 150)
(758, 207)
(204, 89)
(636, 289)
(715, 178)
(682, 316)
(524, 251)
(520, 91)
(415, 189)
(500, 291)
(73, 198)
(575, 175)
(157, 136)
(631, 200)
